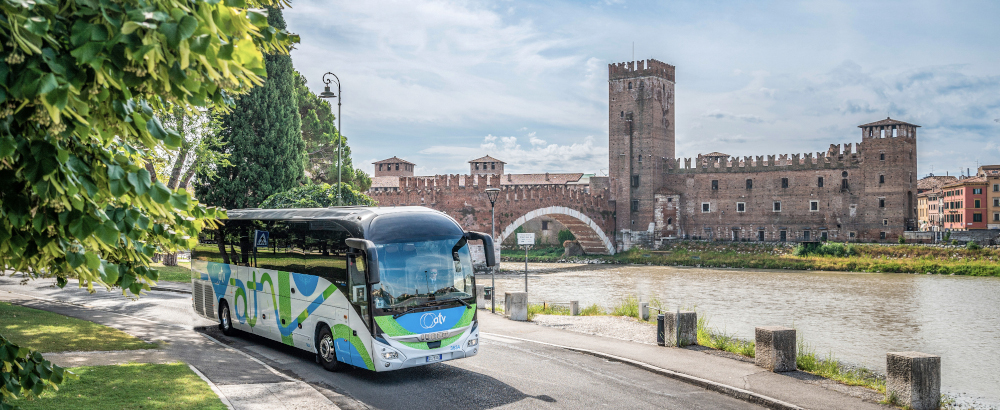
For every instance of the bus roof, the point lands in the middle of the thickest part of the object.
(332, 213)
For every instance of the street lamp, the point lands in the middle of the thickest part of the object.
(493, 194)
(327, 94)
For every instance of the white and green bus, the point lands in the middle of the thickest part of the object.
(376, 288)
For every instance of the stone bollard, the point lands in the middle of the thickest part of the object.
(913, 379)
(680, 331)
(481, 302)
(515, 305)
(644, 310)
(574, 308)
(775, 348)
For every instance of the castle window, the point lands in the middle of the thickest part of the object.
(823, 236)
(852, 234)
(706, 207)
(977, 217)
(715, 184)
(881, 156)
(629, 85)
(379, 167)
(881, 134)
(493, 166)
(670, 221)
(813, 206)
(640, 158)
(881, 179)
(894, 132)
(749, 183)
(545, 225)
(805, 235)
(760, 235)
(881, 202)
(635, 181)
(635, 205)
(881, 235)
(843, 184)
(741, 207)
(477, 166)
(777, 206)
(819, 182)
(622, 114)
(843, 174)
(784, 182)
(397, 167)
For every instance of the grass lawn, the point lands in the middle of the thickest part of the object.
(179, 273)
(52, 332)
(129, 386)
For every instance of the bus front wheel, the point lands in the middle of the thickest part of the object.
(325, 350)
(225, 319)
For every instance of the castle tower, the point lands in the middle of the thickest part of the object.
(486, 166)
(393, 167)
(889, 166)
(640, 137)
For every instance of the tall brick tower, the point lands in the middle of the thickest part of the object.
(889, 164)
(641, 136)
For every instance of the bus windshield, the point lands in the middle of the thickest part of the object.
(415, 272)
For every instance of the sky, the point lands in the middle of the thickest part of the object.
(439, 83)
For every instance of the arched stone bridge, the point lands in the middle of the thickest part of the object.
(588, 216)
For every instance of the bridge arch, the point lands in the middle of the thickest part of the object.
(587, 231)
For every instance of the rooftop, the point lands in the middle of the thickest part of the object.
(540, 179)
(385, 182)
(716, 154)
(393, 160)
(935, 181)
(487, 159)
(886, 121)
(967, 181)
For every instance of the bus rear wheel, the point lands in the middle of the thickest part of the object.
(326, 352)
(226, 320)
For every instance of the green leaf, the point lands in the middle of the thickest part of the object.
(38, 25)
(258, 17)
(199, 44)
(76, 259)
(187, 27)
(159, 193)
(47, 84)
(169, 30)
(108, 233)
(110, 273)
(179, 201)
(155, 128)
(140, 181)
(93, 261)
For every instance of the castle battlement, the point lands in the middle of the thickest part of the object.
(641, 68)
(426, 190)
(834, 158)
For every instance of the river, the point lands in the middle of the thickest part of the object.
(857, 317)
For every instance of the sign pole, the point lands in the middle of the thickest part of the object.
(526, 240)
(526, 268)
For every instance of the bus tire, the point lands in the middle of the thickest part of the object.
(226, 319)
(326, 352)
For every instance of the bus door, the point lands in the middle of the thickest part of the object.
(358, 297)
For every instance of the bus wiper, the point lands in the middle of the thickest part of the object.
(413, 309)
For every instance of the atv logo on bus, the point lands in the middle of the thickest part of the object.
(431, 319)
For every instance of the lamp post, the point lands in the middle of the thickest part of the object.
(327, 94)
(493, 194)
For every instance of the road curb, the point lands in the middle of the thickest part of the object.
(735, 392)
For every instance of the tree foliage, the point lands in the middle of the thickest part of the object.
(199, 152)
(25, 372)
(320, 135)
(262, 136)
(82, 83)
(316, 196)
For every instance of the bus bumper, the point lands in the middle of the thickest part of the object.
(405, 356)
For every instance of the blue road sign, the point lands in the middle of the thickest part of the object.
(260, 238)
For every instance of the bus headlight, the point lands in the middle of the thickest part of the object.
(390, 355)
(472, 342)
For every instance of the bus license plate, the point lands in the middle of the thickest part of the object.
(434, 358)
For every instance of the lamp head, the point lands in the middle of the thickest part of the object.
(492, 194)
(327, 93)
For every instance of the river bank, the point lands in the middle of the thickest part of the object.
(871, 258)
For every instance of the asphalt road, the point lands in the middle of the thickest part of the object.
(505, 374)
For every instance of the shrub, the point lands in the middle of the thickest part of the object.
(972, 246)
(566, 235)
(627, 307)
(902, 239)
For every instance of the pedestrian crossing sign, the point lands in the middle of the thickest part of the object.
(260, 238)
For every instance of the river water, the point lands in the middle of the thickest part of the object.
(857, 317)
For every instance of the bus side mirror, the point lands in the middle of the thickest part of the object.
(491, 257)
(369, 248)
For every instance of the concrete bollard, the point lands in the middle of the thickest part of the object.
(574, 308)
(913, 379)
(644, 310)
(481, 302)
(515, 305)
(680, 328)
(545, 305)
(775, 348)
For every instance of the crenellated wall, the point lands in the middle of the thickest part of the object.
(835, 158)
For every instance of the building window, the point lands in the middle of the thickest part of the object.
(805, 235)
(741, 207)
(813, 206)
(777, 206)
(881, 156)
(881, 202)
(782, 236)
(977, 217)
(635, 205)
(881, 179)
(996, 217)
(996, 187)
(843, 184)
(977, 204)
(843, 174)
(477, 167)
(397, 167)
(379, 167)
(670, 221)
(715, 184)
(706, 207)
(629, 85)
(996, 201)
(635, 181)
(760, 235)
(885, 222)
(784, 182)
(749, 183)
(493, 166)
(852, 235)
(977, 191)
(823, 236)
(881, 235)
(819, 182)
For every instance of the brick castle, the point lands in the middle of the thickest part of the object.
(852, 192)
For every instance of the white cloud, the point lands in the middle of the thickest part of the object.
(587, 156)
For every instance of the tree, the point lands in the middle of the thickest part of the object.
(262, 136)
(316, 196)
(320, 135)
(82, 85)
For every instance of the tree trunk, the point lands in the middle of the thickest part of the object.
(221, 241)
(175, 172)
(170, 259)
(187, 178)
